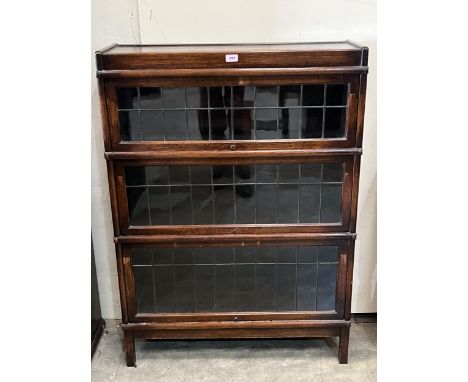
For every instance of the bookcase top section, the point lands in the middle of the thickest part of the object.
(153, 57)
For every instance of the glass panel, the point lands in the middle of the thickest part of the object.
(135, 176)
(312, 121)
(266, 96)
(181, 205)
(288, 173)
(243, 123)
(200, 174)
(267, 173)
(151, 125)
(266, 288)
(239, 194)
(130, 129)
(266, 203)
(205, 288)
(142, 256)
(331, 203)
(175, 125)
(224, 255)
(224, 204)
(337, 95)
(235, 279)
(306, 290)
(245, 204)
(285, 287)
(197, 97)
(332, 172)
(288, 203)
(184, 288)
(219, 125)
(173, 98)
(326, 282)
(150, 98)
(335, 122)
(164, 288)
(198, 125)
(232, 112)
(266, 121)
(156, 175)
(289, 123)
(159, 202)
(202, 197)
(143, 276)
(245, 174)
(245, 255)
(138, 205)
(244, 96)
(245, 277)
(225, 293)
(289, 95)
(312, 95)
(162, 256)
(179, 174)
(127, 98)
(309, 201)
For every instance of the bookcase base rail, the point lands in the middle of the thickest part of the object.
(237, 330)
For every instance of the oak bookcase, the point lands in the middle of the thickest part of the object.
(233, 175)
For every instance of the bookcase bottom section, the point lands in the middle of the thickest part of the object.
(237, 330)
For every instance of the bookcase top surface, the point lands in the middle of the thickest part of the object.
(229, 56)
(234, 48)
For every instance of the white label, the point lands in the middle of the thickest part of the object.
(232, 57)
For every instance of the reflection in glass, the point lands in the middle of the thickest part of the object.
(266, 123)
(150, 98)
(127, 98)
(235, 194)
(130, 129)
(266, 96)
(233, 112)
(337, 95)
(175, 125)
(312, 95)
(173, 98)
(289, 95)
(151, 125)
(138, 206)
(312, 121)
(228, 279)
(335, 122)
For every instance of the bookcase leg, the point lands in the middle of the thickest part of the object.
(129, 348)
(343, 346)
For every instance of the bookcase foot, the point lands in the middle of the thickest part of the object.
(343, 345)
(129, 348)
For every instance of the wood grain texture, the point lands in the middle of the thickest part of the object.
(258, 64)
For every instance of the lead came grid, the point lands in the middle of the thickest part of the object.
(239, 194)
(240, 279)
(233, 112)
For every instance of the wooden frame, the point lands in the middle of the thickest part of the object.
(258, 64)
(225, 159)
(338, 313)
(191, 79)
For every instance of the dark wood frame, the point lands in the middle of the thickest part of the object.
(191, 79)
(222, 158)
(193, 65)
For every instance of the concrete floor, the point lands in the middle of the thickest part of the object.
(242, 360)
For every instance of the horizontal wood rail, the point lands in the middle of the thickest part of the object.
(236, 325)
(241, 156)
(251, 239)
(234, 72)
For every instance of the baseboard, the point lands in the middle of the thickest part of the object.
(364, 317)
